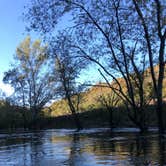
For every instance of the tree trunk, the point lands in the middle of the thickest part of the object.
(139, 122)
(159, 92)
(110, 117)
(75, 115)
(159, 110)
(77, 122)
(34, 117)
(24, 119)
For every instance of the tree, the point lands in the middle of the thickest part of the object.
(14, 78)
(154, 31)
(67, 70)
(109, 101)
(110, 34)
(30, 77)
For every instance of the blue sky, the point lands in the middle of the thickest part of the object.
(11, 29)
(12, 32)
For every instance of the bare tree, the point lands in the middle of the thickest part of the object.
(110, 102)
(154, 33)
(67, 69)
(110, 34)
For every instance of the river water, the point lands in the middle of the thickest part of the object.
(91, 147)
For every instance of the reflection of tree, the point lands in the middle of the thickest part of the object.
(102, 146)
(75, 150)
(139, 149)
(36, 149)
(147, 150)
(135, 149)
(162, 152)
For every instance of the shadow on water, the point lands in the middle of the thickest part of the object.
(95, 147)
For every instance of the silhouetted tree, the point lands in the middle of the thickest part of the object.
(152, 19)
(109, 101)
(67, 69)
(121, 37)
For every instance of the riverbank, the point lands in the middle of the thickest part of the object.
(13, 119)
(96, 118)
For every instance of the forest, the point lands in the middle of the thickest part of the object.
(123, 39)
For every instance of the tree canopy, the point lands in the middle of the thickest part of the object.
(30, 76)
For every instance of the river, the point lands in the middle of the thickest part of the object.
(91, 147)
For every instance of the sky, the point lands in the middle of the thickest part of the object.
(12, 32)
(11, 29)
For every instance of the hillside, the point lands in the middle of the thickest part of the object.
(90, 98)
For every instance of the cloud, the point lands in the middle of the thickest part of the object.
(6, 88)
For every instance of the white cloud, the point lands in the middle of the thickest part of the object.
(6, 88)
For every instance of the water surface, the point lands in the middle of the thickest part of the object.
(93, 147)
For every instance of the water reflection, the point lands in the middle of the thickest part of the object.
(162, 152)
(87, 148)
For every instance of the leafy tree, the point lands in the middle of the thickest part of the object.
(30, 77)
